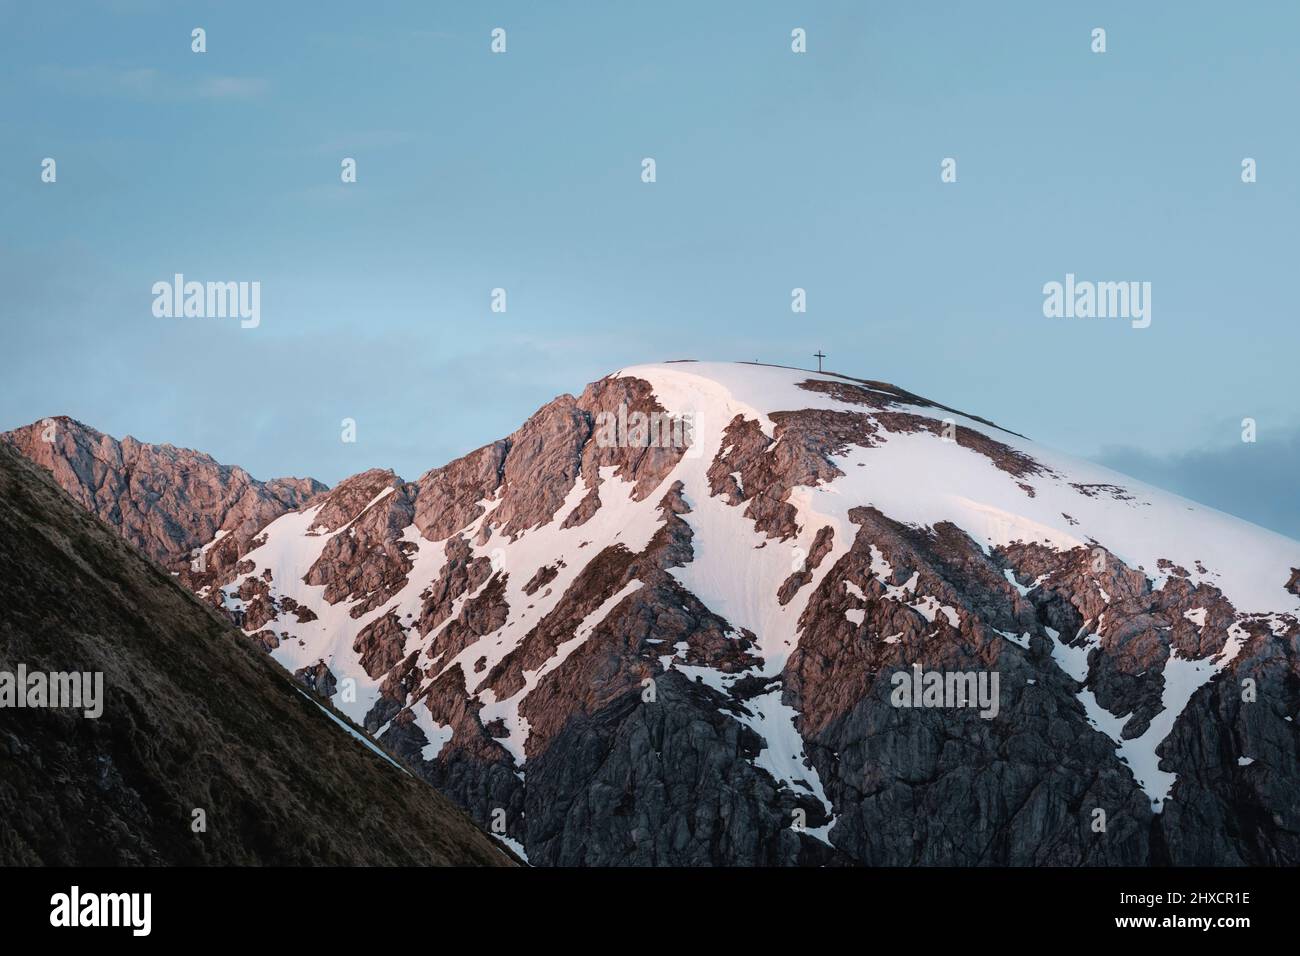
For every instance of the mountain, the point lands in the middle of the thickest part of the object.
(741, 614)
(166, 501)
(193, 719)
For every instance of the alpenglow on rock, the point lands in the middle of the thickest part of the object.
(203, 752)
(166, 501)
(636, 652)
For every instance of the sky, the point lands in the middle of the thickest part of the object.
(774, 170)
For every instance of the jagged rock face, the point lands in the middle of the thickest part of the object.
(317, 679)
(1010, 790)
(166, 501)
(202, 752)
(621, 649)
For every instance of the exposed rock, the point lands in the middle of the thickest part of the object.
(800, 577)
(193, 721)
(635, 657)
(318, 679)
(460, 574)
(380, 645)
(368, 561)
(166, 501)
(447, 499)
(544, 576)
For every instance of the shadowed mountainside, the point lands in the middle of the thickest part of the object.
(664, 621)
(192, 719)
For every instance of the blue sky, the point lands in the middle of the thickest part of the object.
(775, 170)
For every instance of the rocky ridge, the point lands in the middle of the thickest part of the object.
(649, 652)
(166, 501)
(203, 752)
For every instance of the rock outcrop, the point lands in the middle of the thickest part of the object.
(203, 752)
(715, 614)
(166, 501)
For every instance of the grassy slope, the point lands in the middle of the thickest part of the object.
(194, 718)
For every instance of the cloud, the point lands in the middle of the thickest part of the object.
(146, 83)
(382, 44)
(83, 342)
(368, 141)
(231, 87)
(1257, 481)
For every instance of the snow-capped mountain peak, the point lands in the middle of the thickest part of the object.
(673, 620)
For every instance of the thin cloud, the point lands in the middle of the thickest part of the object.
(231, 87)
(368, 140)
(1257, 480)
(146, 83)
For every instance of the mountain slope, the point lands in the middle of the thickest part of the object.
(635, 647)
(651, 653)
(192, 720)
(166, 501)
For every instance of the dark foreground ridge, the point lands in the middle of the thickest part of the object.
(625, 654)
(193, 719)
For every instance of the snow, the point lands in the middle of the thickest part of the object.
(921, 480)
(1011, 578)
(910, 477)
(1182, 679)
(508, 710)
(438, 735)
(930, 609)
(513, 844)
(1072, 658)
(725, 540)
(619, 519)
(895, 592)
(366, 741)
(914, 478)
(290, 550)
(1021, 640)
